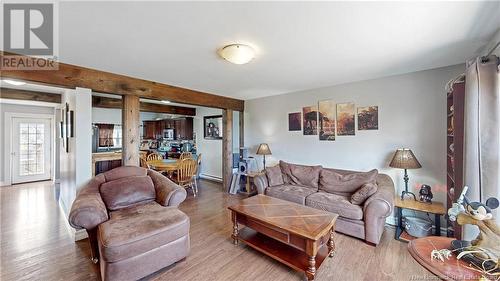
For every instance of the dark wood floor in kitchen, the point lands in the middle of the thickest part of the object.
(35, 245)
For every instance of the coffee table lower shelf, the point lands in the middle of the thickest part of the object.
(279, 251)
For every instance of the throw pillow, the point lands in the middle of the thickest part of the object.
(365, 191)
(287, 174)
(123, 192)
(344, 182)
(305, 175)
(274, 176)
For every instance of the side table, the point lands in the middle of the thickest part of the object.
(435, 208)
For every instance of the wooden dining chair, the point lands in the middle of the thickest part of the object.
(198, 167)
(186, 171)
(144, 163)
(154, 156)
(185, 155)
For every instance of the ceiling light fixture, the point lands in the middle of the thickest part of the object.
(165, 101)
(14, 82)
(237, 53)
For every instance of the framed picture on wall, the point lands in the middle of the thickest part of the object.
(310, 120)
(345, 119)
(212, 127)
(295, 121)
(326, 120)
(368, 118)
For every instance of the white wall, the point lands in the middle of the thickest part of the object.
(211, 166)
(76, 165)
(412, 114)
(211, 150)
(5, 140)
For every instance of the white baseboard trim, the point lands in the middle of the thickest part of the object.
(4, 183)
(210, 177)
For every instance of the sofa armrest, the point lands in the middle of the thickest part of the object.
(261, 183)
(88, 210)
(377, 208)
(168, 193)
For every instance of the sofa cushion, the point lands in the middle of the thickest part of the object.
(274, 176)
(136, 230)
(344, 182)
(365, 191)
(305, 175)
(292, 193)
(127, 191)
(336, 204)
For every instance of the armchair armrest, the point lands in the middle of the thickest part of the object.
(167, 192)
(378, 207)
(88, 210)
(261, 183)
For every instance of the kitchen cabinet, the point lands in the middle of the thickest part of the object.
(149, 129)
(183, 128)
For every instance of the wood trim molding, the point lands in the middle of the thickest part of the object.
(104, 102)
(72, 76)
(17, 94)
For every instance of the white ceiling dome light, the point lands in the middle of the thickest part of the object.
(237, 53)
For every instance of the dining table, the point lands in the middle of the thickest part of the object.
(166, 165)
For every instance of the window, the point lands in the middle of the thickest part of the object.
(110, 135)
(31, 149)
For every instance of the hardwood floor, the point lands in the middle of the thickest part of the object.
(35, 245)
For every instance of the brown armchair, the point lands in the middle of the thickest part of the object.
(132, 219)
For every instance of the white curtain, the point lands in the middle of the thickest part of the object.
(482, 132)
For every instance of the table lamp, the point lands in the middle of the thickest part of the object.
(405, 159)
(264, 150)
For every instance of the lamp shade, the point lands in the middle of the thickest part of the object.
(404, 159)
(264, 149)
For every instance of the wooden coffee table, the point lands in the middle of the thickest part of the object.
(298, 236)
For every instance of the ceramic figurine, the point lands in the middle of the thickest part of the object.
(484, 251)
(425, 193)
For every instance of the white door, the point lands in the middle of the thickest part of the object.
(31, 149)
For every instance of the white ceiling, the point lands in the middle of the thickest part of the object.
(300, 45)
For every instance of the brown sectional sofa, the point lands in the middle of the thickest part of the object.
(132, 219)
(362, 212)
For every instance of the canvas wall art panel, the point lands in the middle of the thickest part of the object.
(345, 119)
(368, 118)
(310, 120)
(326, 117)
(294, 121)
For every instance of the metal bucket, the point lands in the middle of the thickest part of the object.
(417, 227)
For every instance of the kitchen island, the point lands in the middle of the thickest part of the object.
(105, 161)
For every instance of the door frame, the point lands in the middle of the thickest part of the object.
(8, 133)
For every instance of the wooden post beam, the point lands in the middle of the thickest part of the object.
(17, 94)
(130, 131)
(72, 76)
(104, 102)
(227, 148)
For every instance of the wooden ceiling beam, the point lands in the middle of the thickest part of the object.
(104, 102)
(17, 94)
(72, 76)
